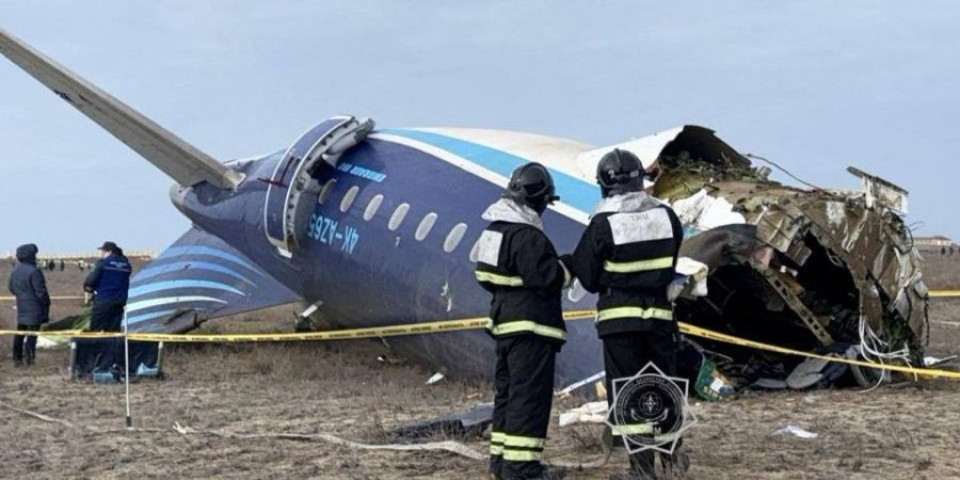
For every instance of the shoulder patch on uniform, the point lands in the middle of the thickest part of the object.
(489, 247)
(648, 225)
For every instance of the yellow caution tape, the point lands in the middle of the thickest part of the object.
(460, 325)
(944, 293)
(722, 337)
(353, 333)
(10, 298)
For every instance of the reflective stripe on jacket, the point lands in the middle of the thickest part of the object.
(517, 264)
(628, 257)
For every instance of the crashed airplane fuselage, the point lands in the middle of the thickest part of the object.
(379, 227)
(812, 269)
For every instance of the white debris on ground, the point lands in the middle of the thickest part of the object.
(930, 360)
(796, 432)
(592, 412)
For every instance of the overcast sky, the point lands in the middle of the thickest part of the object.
(813, 85)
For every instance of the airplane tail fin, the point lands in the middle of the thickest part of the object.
(198, 278)
(180, 160)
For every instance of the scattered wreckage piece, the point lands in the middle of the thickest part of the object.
(466, 423)
(810, 269)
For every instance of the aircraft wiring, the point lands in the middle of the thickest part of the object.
(872, 346)
(784, 170)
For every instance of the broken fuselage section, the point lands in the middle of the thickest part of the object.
(809, 269)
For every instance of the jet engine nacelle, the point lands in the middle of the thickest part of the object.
(292, 190)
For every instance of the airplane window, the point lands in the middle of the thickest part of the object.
(475, 251)
(348, 198)
(425, 226)
(327, 191)
(397, 218)
(372, 207)
(454, 237)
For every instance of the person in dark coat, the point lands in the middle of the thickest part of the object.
(627, 255)
(108, 282)
(518, 265)
(33, 303)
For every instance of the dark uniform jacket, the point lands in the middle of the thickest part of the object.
(517, 263)
(29, 286)
(110, 279)
(627, 255)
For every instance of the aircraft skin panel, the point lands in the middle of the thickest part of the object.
(556, 153)
(369, 275)
(273, 212)
(180, 160)
(647, 149)
(198, 276)
(577, 197)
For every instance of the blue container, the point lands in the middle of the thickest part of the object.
(104, 377)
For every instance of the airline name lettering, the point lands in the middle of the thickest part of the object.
(361, 172)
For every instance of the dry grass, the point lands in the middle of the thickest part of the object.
(941, 271)
(340, 388)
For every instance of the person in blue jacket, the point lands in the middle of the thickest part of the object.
(33, 302)
(108, 282)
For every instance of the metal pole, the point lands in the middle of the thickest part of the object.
(126, 367)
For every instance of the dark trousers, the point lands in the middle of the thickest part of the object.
(624, 354)
(106, 317)
(25, 345)
(521, 406)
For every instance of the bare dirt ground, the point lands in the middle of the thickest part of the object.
(340, 388)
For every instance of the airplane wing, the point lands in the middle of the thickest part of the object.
(180, 160)
(198, 278)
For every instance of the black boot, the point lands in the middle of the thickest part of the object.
(496, 464)
(677, 464)
(551, 473)
(546, 473)
(629, 475)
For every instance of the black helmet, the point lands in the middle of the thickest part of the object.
(619, 172)
(531, 185)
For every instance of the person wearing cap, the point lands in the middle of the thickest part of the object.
(627, 256)
(108, 282)
(29, 286)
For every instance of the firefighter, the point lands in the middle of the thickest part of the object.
(517, 264)
(627, 254)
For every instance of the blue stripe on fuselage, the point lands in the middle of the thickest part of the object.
(204, 250)
(182, 283)
(573, 191)
(192, 265)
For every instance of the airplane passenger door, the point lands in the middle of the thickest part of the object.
(291, 190)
